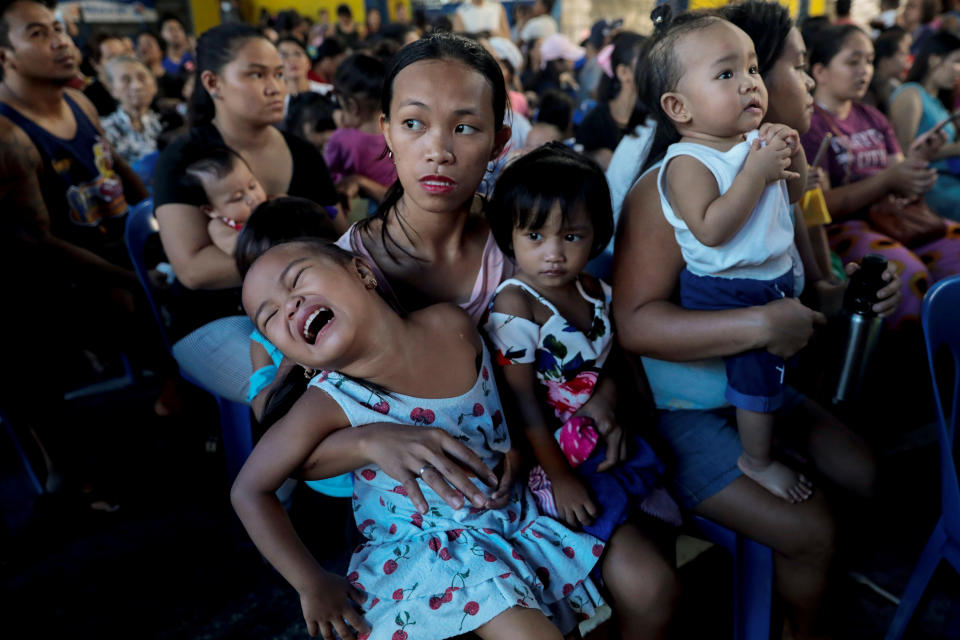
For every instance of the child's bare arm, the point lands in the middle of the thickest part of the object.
(573, 501)
(521, 380)
(223, 237)
(695, 196)
(355, 185)
(279, 453)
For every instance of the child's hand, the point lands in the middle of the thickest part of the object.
(770, 161)
(349, 187)
(816, 177)
(512, 462)
(329, 602)
(223, 236)
(600, 409)
(574, 505)
(771, 131)
(616, 440)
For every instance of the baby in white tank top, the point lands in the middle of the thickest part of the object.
(726, 188)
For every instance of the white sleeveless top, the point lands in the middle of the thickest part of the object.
(486, 17)
(761, 248)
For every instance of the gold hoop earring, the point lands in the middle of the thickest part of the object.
(372, 283)
(308, 373)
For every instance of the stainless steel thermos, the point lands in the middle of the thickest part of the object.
(863, 325)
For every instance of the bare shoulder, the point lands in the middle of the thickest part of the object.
(683, 170)
(312, 417)
(642, 194)
(515, 301)
(315, 409)
(16, 148)
(450, 319)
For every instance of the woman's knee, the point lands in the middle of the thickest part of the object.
(838, 453)
(805, 530)
(810, 536)
(642, 582)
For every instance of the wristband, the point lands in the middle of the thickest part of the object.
(260, 380)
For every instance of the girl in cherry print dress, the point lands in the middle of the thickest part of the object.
(437, 574)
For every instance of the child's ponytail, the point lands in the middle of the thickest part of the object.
(661, 17)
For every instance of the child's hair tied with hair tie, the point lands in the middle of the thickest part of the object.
(661, 16)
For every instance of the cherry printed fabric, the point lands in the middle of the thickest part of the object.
(566, 359)
(447, 572)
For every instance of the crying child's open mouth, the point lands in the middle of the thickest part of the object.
(315, 323)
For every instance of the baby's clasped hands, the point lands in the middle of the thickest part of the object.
(772, 152)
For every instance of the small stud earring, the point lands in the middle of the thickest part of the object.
(308, 372)
(215, 95)
(372, 283)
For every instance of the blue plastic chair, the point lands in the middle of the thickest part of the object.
(752, 579)
(28, 470)
(144, 168)
(234, 416)
(941, 328)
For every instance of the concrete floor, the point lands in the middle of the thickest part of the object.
(173, 562)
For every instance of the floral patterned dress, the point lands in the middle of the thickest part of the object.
(567, 362)
(447, 572)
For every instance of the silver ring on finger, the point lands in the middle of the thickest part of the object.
(425, 468)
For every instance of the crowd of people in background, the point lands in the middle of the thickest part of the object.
(493, 162)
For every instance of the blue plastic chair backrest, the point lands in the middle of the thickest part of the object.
(144, 168)
(941, 329)
(141, 225)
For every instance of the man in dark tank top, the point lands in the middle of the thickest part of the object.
(65, 277)
(57, 171)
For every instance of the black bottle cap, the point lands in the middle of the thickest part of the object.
(861, 293)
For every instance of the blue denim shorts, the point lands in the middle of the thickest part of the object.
(704, 447)
(754, 378)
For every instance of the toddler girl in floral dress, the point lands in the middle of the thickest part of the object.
(550, 325)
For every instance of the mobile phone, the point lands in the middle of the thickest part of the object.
(953, 117)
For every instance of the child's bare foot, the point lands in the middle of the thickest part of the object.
(777, 478)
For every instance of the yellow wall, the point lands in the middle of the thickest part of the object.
(311, 8)
(206, 14)
(815, 7)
